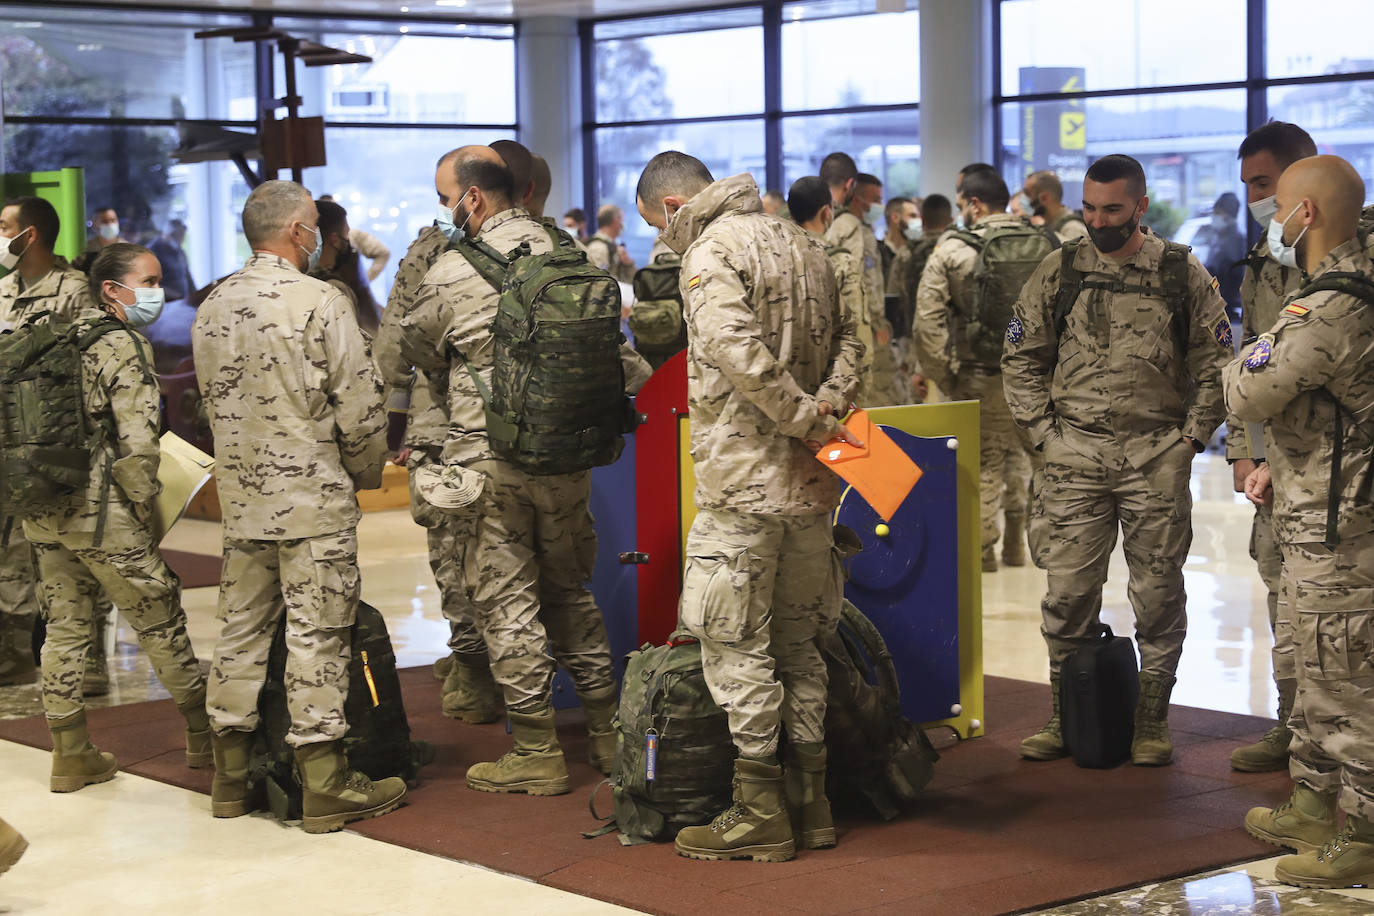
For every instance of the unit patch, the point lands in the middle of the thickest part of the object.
(1223, 333)
(1016, 331)
(1260, 353)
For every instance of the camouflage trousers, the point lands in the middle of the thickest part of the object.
(314, 582)
(72, 582)
(448, 538)
(526, 576)
(1264, 550)
(1084, 501)
(881, 384)
(1332, 595)
(757, 590)
(1004, 473)
(17, 596)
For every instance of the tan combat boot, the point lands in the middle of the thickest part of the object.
(1048, 743)
(333, 795)
(95, 682)
(198, 751)
(1014, 540)
(755, 827)
(12, 846)
(470, 693)
(229, 794)
(600, 706)
(534, 765)
(76, 762)
(989, 558)
(1270, 753)
(16, 650)
(804, 780)
(442, 666)
(1347, 860)
(1152, 746)
(1306, 822)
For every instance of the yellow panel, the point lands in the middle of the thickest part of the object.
(687, 481)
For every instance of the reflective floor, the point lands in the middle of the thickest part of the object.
(1225, 666)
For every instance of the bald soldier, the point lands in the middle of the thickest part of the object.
(1310, 379)
(295, 407)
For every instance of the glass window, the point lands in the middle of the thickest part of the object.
(813, 33)
(1055, 45)
(727, 148)
(1186, 141)
(1339, 116)
(643, 75)
(1316, 37)
(99, 63)
(885, 143)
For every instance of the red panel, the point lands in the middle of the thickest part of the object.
(658, 521)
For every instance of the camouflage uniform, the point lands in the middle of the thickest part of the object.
(768, 343)
(1069, 226)
(944, 296)
(120, 392)
(526, 568)
(850, 284)
(604, 252)
(426, 429)
(1323, 348)
(295, 406)
(1108, 403)
(877, 388)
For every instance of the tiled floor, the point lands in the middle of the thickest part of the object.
(153, 848)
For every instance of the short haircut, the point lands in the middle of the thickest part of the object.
(774, 195)
(986, 185)
(491, 178)
(272, 208)
(519, 160)
(577, 215)
(807, 197)
(1115, 168)
(1047, 181)
(865, 178)
(333, 218)
(542, 177)
(41, 215)
(975, 167)
(113, 263)
(608, 214)
(99, 210)
(672, 173)
(838, 168)
(1286, 142)
(1227, 203)
(936, 210)
(895, 204)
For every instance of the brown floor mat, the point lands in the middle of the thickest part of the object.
(195, 570)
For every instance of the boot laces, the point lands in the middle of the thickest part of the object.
(1155, 729)
(728, 818)
(359, 782)
(1337, 845)
(1276, 735)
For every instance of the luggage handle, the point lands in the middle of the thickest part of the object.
(609, 825)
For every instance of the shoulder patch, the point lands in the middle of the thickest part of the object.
(1223, 333)
(694, 282)
(1294, 309)
(1216, 284)
(1260, 353)
(1016, 331)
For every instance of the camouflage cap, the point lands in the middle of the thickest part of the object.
(449, 486)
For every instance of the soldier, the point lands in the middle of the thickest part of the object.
(39, 281)
(814, 213)
(104, 226)
(1310, 378)
(773, 360)
(1113, 367)
(846, 231)
(1264, 155)
(103, 539)
(902, 216)
(774, 205)
(575, 221)
(296, 410)
(937, 220)
(1042, 196)
(947, 301)
(605, 251)
(526, 570)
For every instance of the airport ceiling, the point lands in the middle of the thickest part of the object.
(445, 9)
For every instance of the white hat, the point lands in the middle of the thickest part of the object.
(449, 486)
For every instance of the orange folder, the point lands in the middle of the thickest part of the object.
(881, 472)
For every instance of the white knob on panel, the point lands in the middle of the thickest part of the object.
(952, 443)
(956, 709)
(974, 724)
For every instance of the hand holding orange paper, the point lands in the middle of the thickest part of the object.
(881, 472)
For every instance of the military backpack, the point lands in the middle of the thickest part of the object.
(557, 402)
(1007, 256)
(656, 317)
(1173, 277)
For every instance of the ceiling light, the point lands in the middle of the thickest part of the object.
(450, 2)
(405, 9)
(405, 29)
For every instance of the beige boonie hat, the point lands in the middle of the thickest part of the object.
(449, 487)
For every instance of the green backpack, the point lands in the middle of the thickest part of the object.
(656, 317)
(1173, 287)
(46, 445)
(557, 402)
(674, 758)
(1007, 256)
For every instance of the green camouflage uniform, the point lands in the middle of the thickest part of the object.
(944, 296)
(120, 392)
(526, 568)
(1330, 588)
(877, 386)
(296, 409)
(768, 341)
(1108, 403)
(604, 252)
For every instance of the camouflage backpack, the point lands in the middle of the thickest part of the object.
(1173, 277)
(674, 759)
(557, 400)
(656, 317)
(1007, 256)
(46, 445)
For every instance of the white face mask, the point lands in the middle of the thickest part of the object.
(108, 231)
(913, 230)
(148, 302)
(1287, 255)
(874, 214)
(8, 260)
(1263, 210)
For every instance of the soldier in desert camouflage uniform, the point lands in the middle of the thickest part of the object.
(772, 359)
(1119, 397)
(1310, 378)
(296, 409)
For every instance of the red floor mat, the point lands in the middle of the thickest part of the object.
(195, 570)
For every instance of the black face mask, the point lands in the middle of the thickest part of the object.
(1112, 238)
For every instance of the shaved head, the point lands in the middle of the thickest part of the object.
(1334, 187)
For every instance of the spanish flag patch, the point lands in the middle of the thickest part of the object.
(1216, 284)
(1294, 309)
(694, 282)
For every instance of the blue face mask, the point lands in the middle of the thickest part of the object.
(148, 302)
(312, 258)
(1287, 255)
(444, 217)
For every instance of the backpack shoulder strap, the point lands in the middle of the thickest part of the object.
(1070, 285)
(1350, 283)
(489, 263)
(969, 238)
(1050, 237)
(1173, 275)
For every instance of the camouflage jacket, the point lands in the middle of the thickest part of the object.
(1069, 226)
(854, 235)
(453, 313)
(121, 397)
(294, 402)
(849, 281)
(944, 296)
(63, 291)
(427, 425)
(1266, 285)
(767, 342)
(1116, 384)
(1322, 341)
(605, 253)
